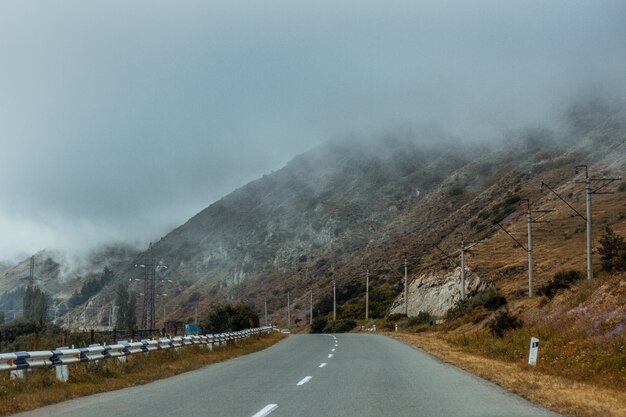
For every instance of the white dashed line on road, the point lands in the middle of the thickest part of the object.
(322, 365)
(330, 356)
(305, 380)
(266, 410)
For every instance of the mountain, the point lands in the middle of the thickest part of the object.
(355, 204)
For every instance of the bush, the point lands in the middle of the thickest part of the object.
(340, 326)
(319, 323)
(392, 318)
(16, 329)
(495, 302)
(478, 299)
(423, 317)
(229, 318)
(562, 280)
(503, 323)
(613, 251)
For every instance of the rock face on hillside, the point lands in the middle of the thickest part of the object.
(436, 292)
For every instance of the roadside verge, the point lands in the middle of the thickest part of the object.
(554, 392)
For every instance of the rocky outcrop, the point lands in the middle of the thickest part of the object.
(436, 292)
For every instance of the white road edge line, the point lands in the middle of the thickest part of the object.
(266, 410)
(305, 380)
(322, 365)
(330, 356)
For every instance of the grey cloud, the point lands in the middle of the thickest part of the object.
(120, 120)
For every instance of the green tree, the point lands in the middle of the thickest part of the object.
(35, 304)
(613, 251)
(229, 317)
(126, 303)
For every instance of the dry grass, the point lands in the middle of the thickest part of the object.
(582, 332)
(41, 388)
(555, 392)
(558, 243)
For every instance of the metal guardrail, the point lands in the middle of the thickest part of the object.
(18, 361)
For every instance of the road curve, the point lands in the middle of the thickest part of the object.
(312, 375)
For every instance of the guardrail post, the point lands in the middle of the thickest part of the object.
(62, 373)
(18, 374)
(92, 337)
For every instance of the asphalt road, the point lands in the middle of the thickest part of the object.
(367, 375)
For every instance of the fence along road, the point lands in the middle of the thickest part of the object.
(18, 362)
(367, 375)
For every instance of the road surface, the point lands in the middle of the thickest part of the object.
(312, 375)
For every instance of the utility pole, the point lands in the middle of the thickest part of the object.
(589, 232)
(367, 294)
(529, 218)
(265, 308)
(147, 308)
(588, 192)
(334, 301)
(196, 313)
(288, 312)
(406, 297)
(148, 315)
(529, 248)
(462, 266)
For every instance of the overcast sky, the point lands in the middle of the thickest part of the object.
(119, 120)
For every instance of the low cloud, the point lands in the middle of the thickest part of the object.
(119, 121)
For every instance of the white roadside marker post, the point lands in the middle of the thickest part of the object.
(534, 350)
(62, 373)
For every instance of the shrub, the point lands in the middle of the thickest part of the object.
(423, 317)
(392, 318)
(229, 317)
(478, 299)
(495, 302)
(613, 251)
(340, 326)
(319, 323)
(562, 280)
(16, 329)
(503, 323)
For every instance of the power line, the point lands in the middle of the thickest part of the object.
(604, 182)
